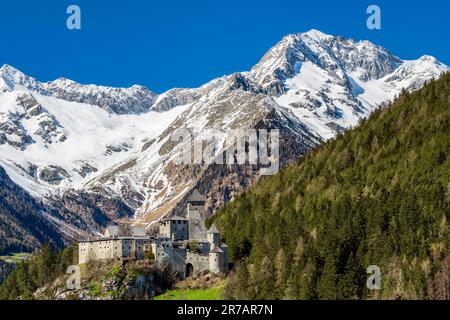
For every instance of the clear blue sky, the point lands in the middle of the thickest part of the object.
(170, 43)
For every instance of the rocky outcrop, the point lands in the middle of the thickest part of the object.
(52, 174)
(13, 133)
(111, 280)
(175, 97)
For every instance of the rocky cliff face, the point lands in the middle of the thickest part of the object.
(106, 281)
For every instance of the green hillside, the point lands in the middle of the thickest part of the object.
(192, 294)
(376, 195)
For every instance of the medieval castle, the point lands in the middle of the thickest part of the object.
(183, 246)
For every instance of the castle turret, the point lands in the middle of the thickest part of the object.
(216, 261)
(196, 216)
(213, 237)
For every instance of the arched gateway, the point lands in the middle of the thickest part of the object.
(189, 269)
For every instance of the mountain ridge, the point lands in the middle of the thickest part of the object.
(62, 137)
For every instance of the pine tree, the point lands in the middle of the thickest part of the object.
(266, 280)
(327, 284)
(280, 272)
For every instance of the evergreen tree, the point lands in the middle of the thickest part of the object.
(280, 273)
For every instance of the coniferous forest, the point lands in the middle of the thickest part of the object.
(378, 194)
(46, 265)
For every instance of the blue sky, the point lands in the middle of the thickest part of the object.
(170, 43)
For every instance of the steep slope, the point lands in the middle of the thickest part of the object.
(49, 144)
(27, 223)
(378, 194)
(24, 224)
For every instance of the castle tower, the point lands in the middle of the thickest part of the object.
(175, 228)
(196, 216)
(213, 237)
(216, 260)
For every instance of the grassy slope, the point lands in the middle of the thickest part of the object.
(202, 287)
(198, 294)
(378, 194)
(16, 257)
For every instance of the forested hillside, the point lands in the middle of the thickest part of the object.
(23, 225)
(45, 266)
(377, 195)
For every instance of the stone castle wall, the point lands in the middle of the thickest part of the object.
(103, 249)
(196, 217)
(199, 262)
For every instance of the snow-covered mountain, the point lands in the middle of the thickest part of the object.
(61, 137)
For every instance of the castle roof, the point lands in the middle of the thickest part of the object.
(137, 231)
(216, 250)
(213, 229)
(196, 197)
(112, 231)
(172, 218)
(115, 238)
(223, 245)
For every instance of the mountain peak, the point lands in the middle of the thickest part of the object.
(363, 59)
(14, 79)
(313, 34)
(316, 35)
(7, 68)
(9, 71)
(428, 58)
